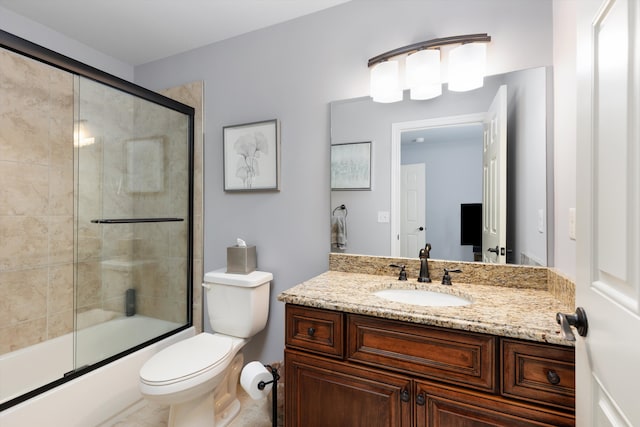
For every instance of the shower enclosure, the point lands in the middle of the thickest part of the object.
(96, 208)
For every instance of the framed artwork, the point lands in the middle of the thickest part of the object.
(251, 154)
(145, 165)
(351, 166)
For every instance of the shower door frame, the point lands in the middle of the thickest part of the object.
(47, 56)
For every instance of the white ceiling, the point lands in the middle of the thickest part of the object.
(140, 31)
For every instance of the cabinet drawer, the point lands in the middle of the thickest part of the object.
(316, 330)
(539, 373)
(455, 357)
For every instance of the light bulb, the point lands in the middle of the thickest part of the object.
(467, 65)
(423, 74)
(385, 86)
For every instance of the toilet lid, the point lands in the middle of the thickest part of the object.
(186, 358)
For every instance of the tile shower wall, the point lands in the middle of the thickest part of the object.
(36, 202)
(192, 94)
(36, 209)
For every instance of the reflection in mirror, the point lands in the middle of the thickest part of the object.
(444, 137)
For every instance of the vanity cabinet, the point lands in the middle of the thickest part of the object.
(347, 369)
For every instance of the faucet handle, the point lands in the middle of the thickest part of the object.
(403, 272)
(446, 279)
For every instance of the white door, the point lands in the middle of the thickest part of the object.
(494, 181)
(412, 210)
(608, 212)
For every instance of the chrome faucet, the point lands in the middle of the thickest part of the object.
(424, 264)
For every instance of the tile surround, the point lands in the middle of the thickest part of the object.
(36, 202)
(37, 207)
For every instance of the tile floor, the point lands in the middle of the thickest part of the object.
(252, 414)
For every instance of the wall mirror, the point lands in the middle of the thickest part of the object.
(443, 138)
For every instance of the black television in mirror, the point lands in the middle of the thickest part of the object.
(471, 224)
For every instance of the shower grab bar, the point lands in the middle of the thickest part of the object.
(134, 220)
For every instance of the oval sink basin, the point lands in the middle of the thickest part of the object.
(422, 297)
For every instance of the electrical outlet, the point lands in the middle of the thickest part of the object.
(572, 223)
(383, 216)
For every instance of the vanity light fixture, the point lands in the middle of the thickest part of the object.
(422, 68)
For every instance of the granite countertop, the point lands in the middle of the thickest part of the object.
(522, 313)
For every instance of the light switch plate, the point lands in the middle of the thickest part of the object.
(540, 220)
(572, 223)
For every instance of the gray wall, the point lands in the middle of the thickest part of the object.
(564, 131)
(291, 72)
(527, 191)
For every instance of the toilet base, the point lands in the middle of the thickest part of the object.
(214, 409)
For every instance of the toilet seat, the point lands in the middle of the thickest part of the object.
(187, 359)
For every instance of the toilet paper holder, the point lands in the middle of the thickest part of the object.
(274, 381)
(274, 392)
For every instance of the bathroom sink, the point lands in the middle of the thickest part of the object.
(422, 297)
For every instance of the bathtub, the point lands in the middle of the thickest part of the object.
(90, 399)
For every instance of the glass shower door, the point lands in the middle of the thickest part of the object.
(132, 230)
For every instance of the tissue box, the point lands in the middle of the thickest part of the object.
(241, 260)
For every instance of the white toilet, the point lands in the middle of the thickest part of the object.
(198, 377)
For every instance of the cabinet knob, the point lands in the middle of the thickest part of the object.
(420, 399)
(553, 377)
(311, 331)
(404, 395)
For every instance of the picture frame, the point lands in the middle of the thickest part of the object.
(145, 165)
(251, 156)
(351, 166)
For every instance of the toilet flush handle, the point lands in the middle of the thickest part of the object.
(206, 285)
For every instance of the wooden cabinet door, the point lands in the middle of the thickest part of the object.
(447, 406)
(326, 393)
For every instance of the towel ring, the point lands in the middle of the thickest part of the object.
(342, 208)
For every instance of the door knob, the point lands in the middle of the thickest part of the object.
(495, 250)
(577, 320)
(420, 228)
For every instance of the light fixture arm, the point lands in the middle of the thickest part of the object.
(468, 38)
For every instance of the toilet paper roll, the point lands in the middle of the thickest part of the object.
(251, 376)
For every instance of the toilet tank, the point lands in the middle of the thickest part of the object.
(237, 304)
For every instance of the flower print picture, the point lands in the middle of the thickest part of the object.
(252, 156)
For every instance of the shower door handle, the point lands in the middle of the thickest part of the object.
(133, 220)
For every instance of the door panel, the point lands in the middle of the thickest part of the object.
(412, 208)
(608, 210)
(444, 406)
(494, 192)
(323, 393)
